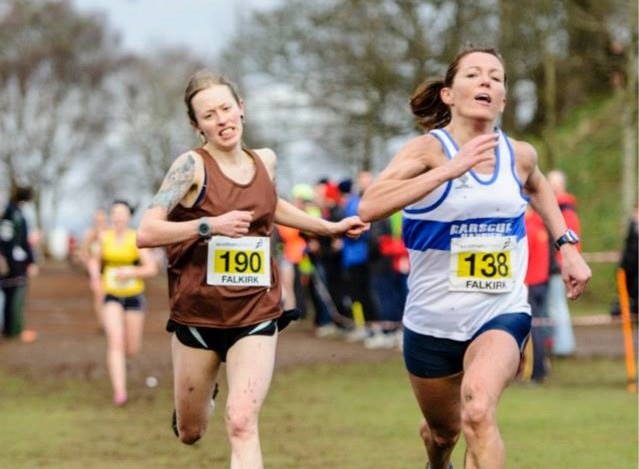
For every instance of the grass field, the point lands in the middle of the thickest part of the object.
(348, 416)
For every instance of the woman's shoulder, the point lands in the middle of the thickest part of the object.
(188, 163)
(268, 157)
(423, 148)
(426, 141)
(190, 158)
(266, 154)
(525, 153)
(521, 146)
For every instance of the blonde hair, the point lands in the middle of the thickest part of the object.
(201, 80)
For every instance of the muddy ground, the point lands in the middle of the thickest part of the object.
(69, 343)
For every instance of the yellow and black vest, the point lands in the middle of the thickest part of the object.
(117, 254)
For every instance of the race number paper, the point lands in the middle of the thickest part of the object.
(482, 264)
(115, 283)
(239, 261)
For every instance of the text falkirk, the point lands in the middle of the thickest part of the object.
(486, 285)
(240, 280)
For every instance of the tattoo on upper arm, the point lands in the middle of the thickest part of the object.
(177, 183)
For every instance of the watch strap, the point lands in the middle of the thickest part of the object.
(569, 237)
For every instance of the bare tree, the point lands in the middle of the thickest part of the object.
(350, 66)
(53, 104)
(354, 61)
(629, 167)
(152, 118)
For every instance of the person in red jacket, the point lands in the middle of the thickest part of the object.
(563, 338)
(536, 279)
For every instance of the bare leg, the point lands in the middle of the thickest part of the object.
(116, 361)
(134, 327)
(98, 303)
(490, 363)
(287, 274)
(439, 401)
(194, 373)
(249, 371)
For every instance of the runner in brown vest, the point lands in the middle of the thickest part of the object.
(215, 212)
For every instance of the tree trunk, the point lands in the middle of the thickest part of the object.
(629, 119)
(507, 20)
(550, 107)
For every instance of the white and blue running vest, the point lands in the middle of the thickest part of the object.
(468, 249)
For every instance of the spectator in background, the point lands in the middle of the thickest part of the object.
(89, 246)
(17, 264)
(563, 337)
(303, 199)
(395, 248)
(310, 267)
(628, 262)
(357, 269)
(536, 279)
(292, 253)
(389, 271)
(329, 200)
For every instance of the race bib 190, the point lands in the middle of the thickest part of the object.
(482, 264)
(239, 261)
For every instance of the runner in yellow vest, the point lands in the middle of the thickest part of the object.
(118, 267)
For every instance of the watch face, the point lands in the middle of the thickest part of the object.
(204, 229)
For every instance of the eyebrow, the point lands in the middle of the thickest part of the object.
(478, 67)
(214, 108)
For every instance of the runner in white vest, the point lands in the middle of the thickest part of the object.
(482, 211)
(464, 187)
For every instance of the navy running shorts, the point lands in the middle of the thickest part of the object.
(432, 357)
(128, 303)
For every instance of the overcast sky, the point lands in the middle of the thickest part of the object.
(204, 25)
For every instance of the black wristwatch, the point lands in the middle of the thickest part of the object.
(569, 237)
(204, 228)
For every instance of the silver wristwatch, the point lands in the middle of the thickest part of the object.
(569, 237)
(204, 228)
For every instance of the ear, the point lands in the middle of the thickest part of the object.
(503, 105)
(446, 96)
(199, 133)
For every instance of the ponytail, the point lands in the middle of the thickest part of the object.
(427, 106)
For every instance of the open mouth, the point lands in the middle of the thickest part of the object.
(226, 132)
(484, 98)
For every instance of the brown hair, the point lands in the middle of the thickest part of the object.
(21, 194)
(202, 80)
(426, 103)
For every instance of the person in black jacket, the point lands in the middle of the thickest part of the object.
(629, 259)
(17, 261)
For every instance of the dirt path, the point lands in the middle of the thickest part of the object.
(69, 344)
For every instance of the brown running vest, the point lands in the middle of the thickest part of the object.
(195, 303)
